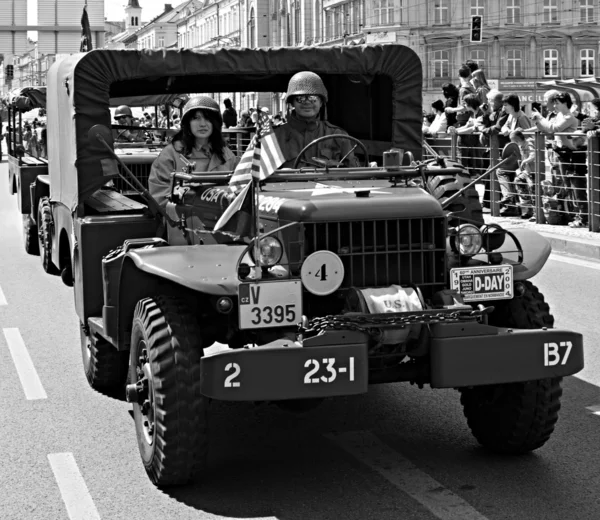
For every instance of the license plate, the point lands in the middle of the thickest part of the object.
(494, 282)
(270, 304)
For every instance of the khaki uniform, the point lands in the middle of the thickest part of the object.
(169, 161)
(296, 134)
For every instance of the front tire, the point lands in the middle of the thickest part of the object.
(30, 236)
(44, 225)
(105, 367)
(170, 413)
(515, 418)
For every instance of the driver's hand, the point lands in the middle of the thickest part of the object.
(373, 164)
(172, 212)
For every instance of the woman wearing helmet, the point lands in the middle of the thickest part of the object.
(199, 140)
(306, 98)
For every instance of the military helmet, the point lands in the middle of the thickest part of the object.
(200, 102)
(123, 110)
(306, 83)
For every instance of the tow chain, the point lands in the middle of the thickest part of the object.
(370, 323)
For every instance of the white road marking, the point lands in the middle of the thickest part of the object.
(2, 298)
(73, 490)
(594, 409)
(32, 386)
(442, 502)
(575, 261)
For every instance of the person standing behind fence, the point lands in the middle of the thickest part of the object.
(440, 123)
(450, 93)
(576, 179)
(480, 83)
(524, 182)
(489, 127)
(564, 122)
(469, 147)
(465, 132)
(229, 114)
(517, 120)
(592, 122)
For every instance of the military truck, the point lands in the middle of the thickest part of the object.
(353, 276)
(23, 167)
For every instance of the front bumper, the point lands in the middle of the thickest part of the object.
(492, 355)
(336, 363)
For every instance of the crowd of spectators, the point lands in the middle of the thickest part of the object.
(29, 137)
(475, 112)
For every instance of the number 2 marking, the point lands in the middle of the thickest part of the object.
(229, 380)
(307, 377)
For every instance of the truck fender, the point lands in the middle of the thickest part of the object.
(209, 269)
(39, 188)
(535, 252)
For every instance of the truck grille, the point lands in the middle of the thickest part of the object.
(379, 253)
(141, 172)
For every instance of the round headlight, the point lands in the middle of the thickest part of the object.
(467, 240)
(270, 250)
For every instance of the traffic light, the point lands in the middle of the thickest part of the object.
(476, 28)
(10, 70)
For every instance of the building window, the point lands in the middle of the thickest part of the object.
(297, 22)
(478, 56)
(441, 11)
(337, 22)
(550, 63)
(550, 11)
(252, 30)
(586, 11)
(317, 34)
(384, 12)
(513, 11)
(514, 64)
(477, 7)
(357, 16)
(161, 41)
(587, 59)
(328, 24)
(441, 64)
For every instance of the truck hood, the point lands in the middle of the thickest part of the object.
(339, 201)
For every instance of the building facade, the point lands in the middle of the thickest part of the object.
(524, 42)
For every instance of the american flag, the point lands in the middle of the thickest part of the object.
(262, 157)
(260, 160)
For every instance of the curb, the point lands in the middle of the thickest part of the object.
(584, 244)
(573, 246)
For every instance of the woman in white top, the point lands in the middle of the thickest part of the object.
(517, 120)
(440, 123)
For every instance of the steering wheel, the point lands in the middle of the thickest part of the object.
(321, 163)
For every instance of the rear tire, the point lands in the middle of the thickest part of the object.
(30, 236)
(170, 413)
(105, 367)
(44, 224)
(467, 206)
(515, 418)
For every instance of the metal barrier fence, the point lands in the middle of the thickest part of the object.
(556, 191)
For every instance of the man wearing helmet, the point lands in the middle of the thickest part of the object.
(124, 117)
(199, 141)
(306, 98)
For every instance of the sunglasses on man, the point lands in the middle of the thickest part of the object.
(306, 98)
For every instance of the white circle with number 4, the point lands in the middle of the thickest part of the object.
(322, 273)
